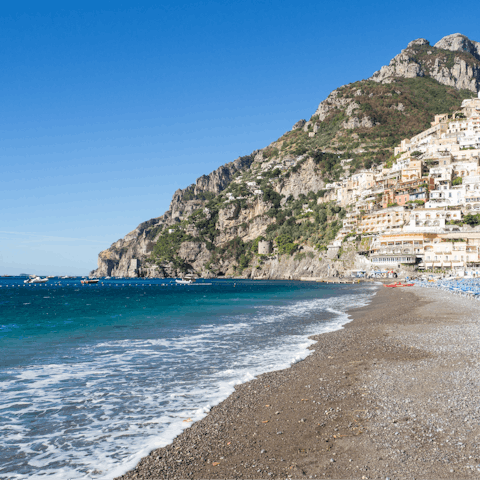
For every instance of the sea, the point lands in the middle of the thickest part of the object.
(94, 377)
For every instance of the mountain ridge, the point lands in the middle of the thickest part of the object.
(213, 227)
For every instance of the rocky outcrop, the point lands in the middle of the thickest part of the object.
(355, 122)
(308, 263)
(332, 102)
(400, 66)
(304, 181)
(138, 244)
(185, 201)
(299, 124)
(195, 254)
(246, 223)
(461, 75)
(419, 59)
(453, 61)
(459, 43)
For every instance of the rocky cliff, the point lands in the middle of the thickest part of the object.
(277, 194)
(452, 61)
(126, 257)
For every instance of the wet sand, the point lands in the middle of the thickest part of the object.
(393, 394)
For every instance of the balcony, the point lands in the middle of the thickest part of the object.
(393, 259)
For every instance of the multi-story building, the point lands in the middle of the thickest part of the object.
(399, 248)
(384, 220)
(472, 201)
(446, 196)
(350, 222)
(363, 180)
(450, 254)
(431, 220)
(413, 170)
(441, 175)
(439, 166)
(404, 192)
(387, 178)
(465, 169)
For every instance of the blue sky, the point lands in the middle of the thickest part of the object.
(108, 107)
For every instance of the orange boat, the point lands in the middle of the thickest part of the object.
(393, 285)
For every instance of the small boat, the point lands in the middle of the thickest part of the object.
(89, 280)
(36, 280)
(184, 282)
(398, 284)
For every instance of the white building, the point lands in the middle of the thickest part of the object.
(446, 196)
(363, 180)
(432, 220)
(451, 255)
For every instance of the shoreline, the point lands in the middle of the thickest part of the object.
(343, 412)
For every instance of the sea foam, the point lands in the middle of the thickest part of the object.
(109, 403)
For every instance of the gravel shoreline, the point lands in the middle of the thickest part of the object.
(393, 394)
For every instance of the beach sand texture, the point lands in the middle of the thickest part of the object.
(393, 394)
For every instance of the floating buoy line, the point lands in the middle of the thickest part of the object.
(98, 285)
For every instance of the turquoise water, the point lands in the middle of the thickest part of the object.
(94, 377)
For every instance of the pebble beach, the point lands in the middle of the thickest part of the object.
(394, 394)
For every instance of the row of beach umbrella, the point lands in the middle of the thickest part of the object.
(469, 287)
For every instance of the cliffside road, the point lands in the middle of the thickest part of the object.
(392, 395)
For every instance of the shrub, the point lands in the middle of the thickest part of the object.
(472, 220)
(243, 262)
(271, 228)
(276, 172)
(321, 217)
(154, 232)
(270, 152)
(270, 195)
(300, 256)
(190, 195)
(168, 244)
(285, 244)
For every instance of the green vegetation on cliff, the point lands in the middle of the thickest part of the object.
(270, 194)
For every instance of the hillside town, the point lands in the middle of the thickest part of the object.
(421, 209)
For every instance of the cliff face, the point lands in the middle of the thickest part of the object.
(126, 257)
(452, 61)
(212, 227)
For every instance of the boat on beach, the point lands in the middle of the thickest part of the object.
(399, 284)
